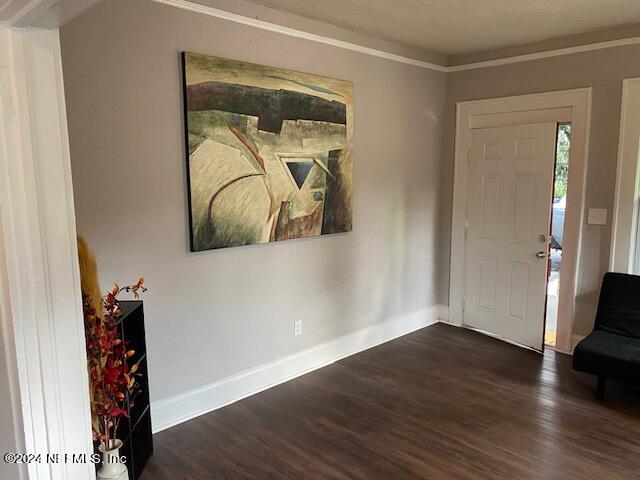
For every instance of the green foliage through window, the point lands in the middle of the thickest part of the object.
(562, 159)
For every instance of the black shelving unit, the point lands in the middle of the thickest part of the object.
(135, 432)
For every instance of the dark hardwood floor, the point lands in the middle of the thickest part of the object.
(440, 403)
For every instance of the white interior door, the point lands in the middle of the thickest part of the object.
(510, 189)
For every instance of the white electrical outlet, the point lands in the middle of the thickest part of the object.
(297, 328)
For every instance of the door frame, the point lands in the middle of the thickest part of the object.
(560, 106)
(39, 245)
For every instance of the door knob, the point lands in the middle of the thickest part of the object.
(541, 254)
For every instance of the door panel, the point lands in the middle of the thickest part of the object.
(517, 290)
(510, 188)
(523, 208)
(487, 283)
(490, 213)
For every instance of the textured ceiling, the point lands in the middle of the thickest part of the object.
(464, 26)
(10, 8)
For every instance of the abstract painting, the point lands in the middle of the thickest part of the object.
(269, 153)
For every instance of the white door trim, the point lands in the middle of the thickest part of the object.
(624, 219)
(39, 232)
(525, 108)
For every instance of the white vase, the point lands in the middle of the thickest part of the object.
(112, 466)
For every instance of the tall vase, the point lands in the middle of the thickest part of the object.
(112, 468)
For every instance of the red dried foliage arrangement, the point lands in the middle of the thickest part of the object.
(112, 370)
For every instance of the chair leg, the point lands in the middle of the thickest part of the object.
(600, 388)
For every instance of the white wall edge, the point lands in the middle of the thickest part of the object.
(624, 216)
(272, 27)
(174, 410)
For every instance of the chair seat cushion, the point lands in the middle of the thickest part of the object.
(609, 355)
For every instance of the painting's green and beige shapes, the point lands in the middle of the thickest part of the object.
(269, 153)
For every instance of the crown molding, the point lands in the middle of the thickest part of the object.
(545, 54)
(52, 13)
(272, 27)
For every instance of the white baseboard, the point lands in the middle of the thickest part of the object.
(575, 339)
(185, 406)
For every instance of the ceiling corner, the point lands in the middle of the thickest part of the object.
(42, 13)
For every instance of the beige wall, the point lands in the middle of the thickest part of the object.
(216, 313)
(603, 70)
(229, 310)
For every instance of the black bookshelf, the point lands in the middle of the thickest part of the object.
(135, 432)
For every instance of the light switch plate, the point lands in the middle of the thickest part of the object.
(597, 216)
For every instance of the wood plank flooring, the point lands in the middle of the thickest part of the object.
(440, 403)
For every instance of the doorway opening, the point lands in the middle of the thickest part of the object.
(563, 143)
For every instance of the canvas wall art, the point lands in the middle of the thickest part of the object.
(269, 153)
